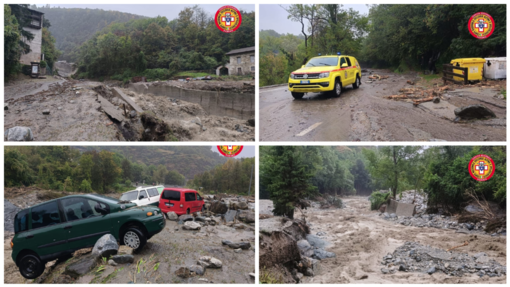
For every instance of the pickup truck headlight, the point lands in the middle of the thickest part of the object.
(324, 75)
(292, 76)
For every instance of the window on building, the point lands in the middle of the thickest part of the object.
(252, 58)
(253, 68)
(239, 60)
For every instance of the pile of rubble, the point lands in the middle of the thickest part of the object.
(443, 222)
(413, 257)
(415, 197)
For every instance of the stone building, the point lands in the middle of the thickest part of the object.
(242, 62)
(35, 27)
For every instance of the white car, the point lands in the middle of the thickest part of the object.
(142, 196)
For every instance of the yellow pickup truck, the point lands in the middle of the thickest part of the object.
(325, 74)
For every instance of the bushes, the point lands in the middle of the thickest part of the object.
(157, 74)
(377, 199)
(85, 186)
(26, 70)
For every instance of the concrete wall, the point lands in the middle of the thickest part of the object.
(241, 106)
(247, 66)
(35, 47)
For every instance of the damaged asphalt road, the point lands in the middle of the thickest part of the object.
(365, 115)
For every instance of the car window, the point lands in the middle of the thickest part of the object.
(198, 196)
(143, 194)
(189, 196)
(348, 61)
(323, 61)
(93, 204)
(153, 192)
(21, 221)
(79, 208)
(45, 215)
(171, 195)
(129, 196)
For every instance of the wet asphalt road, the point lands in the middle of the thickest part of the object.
(364, 115)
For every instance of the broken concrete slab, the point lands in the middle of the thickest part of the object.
(392, 207)
(405, 209)
(110, 109)
(128, 100)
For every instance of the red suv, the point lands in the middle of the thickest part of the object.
(181, 201)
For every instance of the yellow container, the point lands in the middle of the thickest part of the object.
(474, 65)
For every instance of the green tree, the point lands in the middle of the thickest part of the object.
(16, 169)
(287, 178)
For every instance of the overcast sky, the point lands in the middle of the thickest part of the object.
(170, 11)
(248, 150)
(274, 17)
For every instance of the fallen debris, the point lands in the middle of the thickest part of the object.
(414, 257)
(474, 112)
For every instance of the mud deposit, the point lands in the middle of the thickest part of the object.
(56, 109)
(360, 238)
(169, 250)
(365, 114)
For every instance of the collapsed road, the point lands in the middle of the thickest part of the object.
(224, 234)
(369, 114)
(355, 245)
(58, 109)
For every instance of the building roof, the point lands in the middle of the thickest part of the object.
(242, 50)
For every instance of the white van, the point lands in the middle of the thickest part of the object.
(142, 196)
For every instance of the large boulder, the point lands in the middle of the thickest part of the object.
(323, 254)
(19, 134)
(242, 245)
(246, 216)
(172, 216)
(191, 225)
(185, 217)
(123, 259)
(230, 216)
(474, 112)
(305, 248)
(210, 262)
(278, 248)
(218, 207)
(105, 246)
(197, 269)
(81, 267)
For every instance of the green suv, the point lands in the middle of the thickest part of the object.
(56, 228)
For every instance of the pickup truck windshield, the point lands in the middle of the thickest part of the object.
(129, 196)
(323, 61)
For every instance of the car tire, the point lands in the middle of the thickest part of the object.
(357, 83)
(337, 89)
(134, 238)
(297, 96)
(30, 266)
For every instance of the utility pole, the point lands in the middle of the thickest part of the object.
(251, 176)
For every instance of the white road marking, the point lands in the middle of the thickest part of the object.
(309, 129)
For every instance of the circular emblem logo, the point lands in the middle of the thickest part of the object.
(481, 167)
(228, 19)
(481, 25)
(305, 76)
(230, 150)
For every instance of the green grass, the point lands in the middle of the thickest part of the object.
(503, 92)
(192, 74)
(430, 77)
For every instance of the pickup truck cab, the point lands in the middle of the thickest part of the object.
(325, 74)
(142, 196)
(181, 201)
(56, 228)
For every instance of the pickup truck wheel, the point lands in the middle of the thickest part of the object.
(134, 238)
(203, 208)
(357, 83)
(338, 88)
(297, 96)
(30, 266)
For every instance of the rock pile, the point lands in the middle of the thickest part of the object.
(442, 221)
(417, 198)
(413, 257)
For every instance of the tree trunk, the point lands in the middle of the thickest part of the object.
(395, 183)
